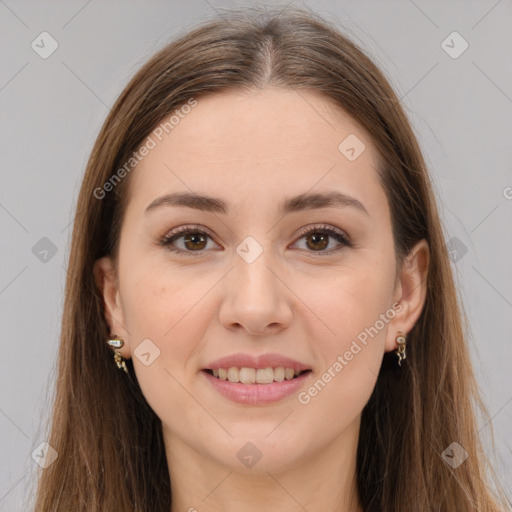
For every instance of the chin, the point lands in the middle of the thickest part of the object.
(259, 453)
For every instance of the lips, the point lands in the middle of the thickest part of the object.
(256, 380)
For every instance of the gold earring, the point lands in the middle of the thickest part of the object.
(400, 351)
(116, 342)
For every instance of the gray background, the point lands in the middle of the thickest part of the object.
(52, 109)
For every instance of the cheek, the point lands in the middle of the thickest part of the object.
(168, 311)
(350, 343)
(353, 311)
(172, 307)
(350, 301)
(166, 306)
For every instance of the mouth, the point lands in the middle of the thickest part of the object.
(257, 379)
(263, 376)
(257, 386)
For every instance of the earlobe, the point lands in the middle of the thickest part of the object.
(106, 282)
(411, 292)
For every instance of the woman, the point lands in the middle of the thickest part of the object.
(292, 341)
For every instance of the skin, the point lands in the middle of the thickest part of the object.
(253, 150)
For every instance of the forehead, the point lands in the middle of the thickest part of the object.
(257, 145)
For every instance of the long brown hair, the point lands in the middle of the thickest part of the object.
(109, 441)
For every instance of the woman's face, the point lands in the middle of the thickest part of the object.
(258, 278)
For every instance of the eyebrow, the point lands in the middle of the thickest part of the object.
(307, 201)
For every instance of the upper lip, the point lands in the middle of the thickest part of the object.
(261, 361)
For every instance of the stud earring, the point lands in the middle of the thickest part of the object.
(115, 342)
(400, 351)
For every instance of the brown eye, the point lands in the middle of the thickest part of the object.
(318, 238)
(194, 240)
(319, 241)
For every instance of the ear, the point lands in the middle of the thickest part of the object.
(410, 292)
(106, 280)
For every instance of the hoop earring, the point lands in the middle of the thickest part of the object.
(116, 342)
(400, 351)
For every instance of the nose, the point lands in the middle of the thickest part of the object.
(256, 297)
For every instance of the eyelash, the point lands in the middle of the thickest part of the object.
(323, 229)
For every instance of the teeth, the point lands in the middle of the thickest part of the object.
(253, 375)
(247, 375)
(279, 374)
(233, 374)
(264, 375)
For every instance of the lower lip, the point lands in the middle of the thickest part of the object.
(255, 394)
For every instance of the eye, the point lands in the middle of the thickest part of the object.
(317, 239)
(195, 239)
